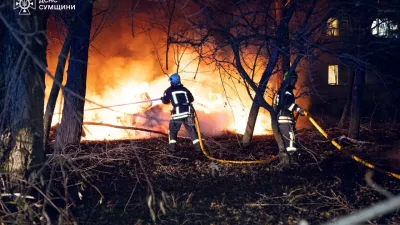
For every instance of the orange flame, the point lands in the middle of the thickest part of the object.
(132, 71)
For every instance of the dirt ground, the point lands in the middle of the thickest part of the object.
(187, 188)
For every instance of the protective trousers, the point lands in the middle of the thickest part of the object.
(175, 126)
(287, 129)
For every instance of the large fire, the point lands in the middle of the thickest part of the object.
(127, 71)
(216, 113)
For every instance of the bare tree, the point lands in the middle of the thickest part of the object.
(70, 129)
(55, 89)
(23, 39)
(347, 106)
(282, 17)
(243, 37)
(68, 20)
(360, 50)
(363, 22)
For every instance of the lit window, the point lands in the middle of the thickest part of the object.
(333, 27)
(384, 28)
(333, 74)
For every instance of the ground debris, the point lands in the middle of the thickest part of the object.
(190, 189)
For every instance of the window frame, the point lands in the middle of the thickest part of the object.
(336, 83)
(384, 28)
(333, 27)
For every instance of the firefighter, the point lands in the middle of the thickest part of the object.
(182, 112)
(285, 107)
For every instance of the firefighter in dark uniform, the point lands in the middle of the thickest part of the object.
(285, 107)
(182, 112)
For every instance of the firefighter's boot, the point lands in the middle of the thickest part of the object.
(197, 147)
(284, 159)
(172, 147)
(293, 158)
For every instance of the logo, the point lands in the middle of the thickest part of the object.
(24, 5)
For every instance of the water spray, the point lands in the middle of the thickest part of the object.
(131, 103)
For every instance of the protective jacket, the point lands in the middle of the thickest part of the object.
(182, 113)
(285, 105)
(181, 99)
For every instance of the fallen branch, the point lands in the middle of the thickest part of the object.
(343, 139)
(124, 127)
(351, 140)
(16, 195)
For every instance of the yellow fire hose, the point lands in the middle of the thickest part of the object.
(224, 160)
(365, 163)
(337, 145)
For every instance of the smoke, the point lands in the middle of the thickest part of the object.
(122, 68)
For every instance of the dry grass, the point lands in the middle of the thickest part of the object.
(139, 182)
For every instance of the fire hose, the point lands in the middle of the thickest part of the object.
(339, 147)
(334, 143)
(112, 106)
(131, 103)
(197, 124)
(225, 160)
(198, 132)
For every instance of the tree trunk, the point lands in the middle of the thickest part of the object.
(2, 81)
(285, 54)
(346, 108)
(70, 130)
(51, 103)
(251, 123)
(366, 13)
(285, 65)
(23, 102)
(275, 130)
(359, 80)
(255, 107)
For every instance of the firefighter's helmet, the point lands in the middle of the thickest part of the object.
(175, 79)
(294, 75)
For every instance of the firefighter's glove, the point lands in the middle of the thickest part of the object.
(301, 112)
